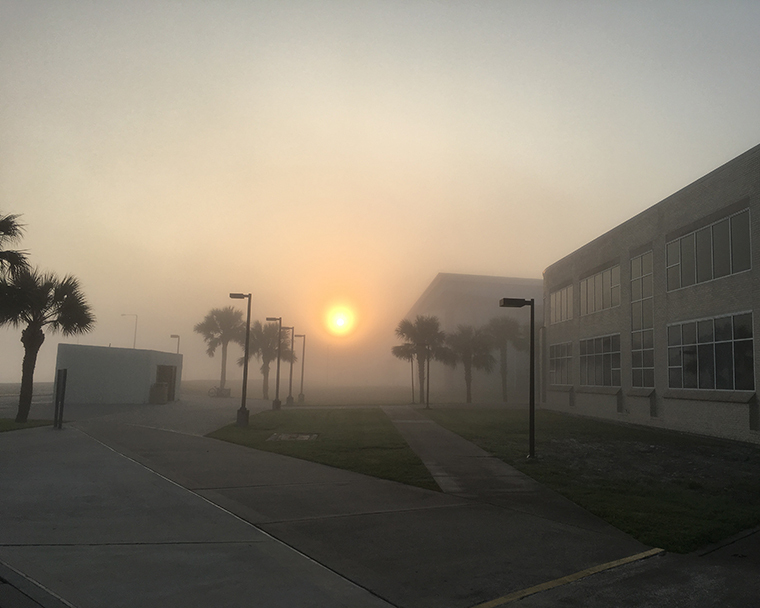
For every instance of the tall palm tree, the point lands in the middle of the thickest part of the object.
(218, 328)
(504, 330)
(406, 352)
(11, 261)
(37, 301)
(425, 339)
(263, 346)
(472, 348)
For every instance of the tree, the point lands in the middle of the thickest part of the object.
(425, 339)
(472, 348)
(11, 261)
(218, 328)
(406, 352)
(263, 346)
(38, 301)
(504, 330)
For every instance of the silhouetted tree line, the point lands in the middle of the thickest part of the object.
(224, 325)
(472, 347)
(36, 301)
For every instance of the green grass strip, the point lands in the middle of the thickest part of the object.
(667, 489)
(8, 424)
(360, 440)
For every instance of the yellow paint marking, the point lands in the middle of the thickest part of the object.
(518, 595)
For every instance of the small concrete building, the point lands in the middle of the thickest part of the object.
(106, 375)
(653, 322)
(468, 299)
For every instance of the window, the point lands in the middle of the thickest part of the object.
(600, 361)
(642, 321)
(712, 252)
(600, 291)
(561, 305)
(560, 363)
(715, 353)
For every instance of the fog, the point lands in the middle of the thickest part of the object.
(344, 153)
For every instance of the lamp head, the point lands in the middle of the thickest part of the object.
(513, 302)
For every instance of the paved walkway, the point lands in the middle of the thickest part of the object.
(139, 509)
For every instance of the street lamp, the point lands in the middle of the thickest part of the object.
(242, 413)
(519, 303)
(176, 336)
(303, 356)
(289, 400)
(129, 314)
(277, 403)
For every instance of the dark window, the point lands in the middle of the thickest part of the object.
(721, 249)
(704, 255)
(740, 247)
(688, 268)
(600, 361)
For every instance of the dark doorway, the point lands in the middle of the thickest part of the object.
(167, 374)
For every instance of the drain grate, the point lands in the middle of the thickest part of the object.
(293, 437)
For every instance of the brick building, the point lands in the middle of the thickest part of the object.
(653, 322)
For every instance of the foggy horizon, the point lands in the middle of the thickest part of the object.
(345, 154)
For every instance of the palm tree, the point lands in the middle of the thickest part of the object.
(406, 352)
(423, 340)
(504, 330)
(263, 346)
(472, 348)
(36, 300)
(11, 261)
(218, 328)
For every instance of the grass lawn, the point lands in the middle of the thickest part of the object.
(360, 440)
(8, 424)
(667, 489)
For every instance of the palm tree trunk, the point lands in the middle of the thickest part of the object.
(468, 380)
(503, 371)
(32, 339)
(265, 383)
(223, 379)
(421, 372)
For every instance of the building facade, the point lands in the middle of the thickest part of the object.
(654, 322)
(104, 375)
(468, 299)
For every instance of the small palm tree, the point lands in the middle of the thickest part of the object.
(38, 301)
(218, 328)
(424, 340)
(504, 330)
(406, 352)
(472, 348)
(11, 261)
(263, 346)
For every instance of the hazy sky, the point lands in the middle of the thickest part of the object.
(167, 153)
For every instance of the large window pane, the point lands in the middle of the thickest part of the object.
(674, 253)
(723, 329)
(636, 315)
(688, 266)
(647, 314)
(647, 339)
(721, 249)
(744, 368)
(740, 242)
(674, 335)
(742, 326)
(705, 355)
(704, 255)
(616, 295)
(674, 356)
(598, 292)
(724, 366)
(646, 263)
(690, 367)
(705, 331)
(636, 289)
(636, 267)
(646, 286)
(689, 332)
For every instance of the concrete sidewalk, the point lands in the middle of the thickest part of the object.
(137, 508)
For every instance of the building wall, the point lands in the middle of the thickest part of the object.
(727, 413)
(105, 375)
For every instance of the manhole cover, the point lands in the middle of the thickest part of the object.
(293, 437)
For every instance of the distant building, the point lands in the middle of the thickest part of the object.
(469, 299)
(653, 322)
(105, 375)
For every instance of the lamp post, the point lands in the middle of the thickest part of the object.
(277, 403)
(242, 413)
(519, 303)
(176, 336)
(130, 314)
(303, 356)
(289, 400)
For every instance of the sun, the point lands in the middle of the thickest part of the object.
(340, 320)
